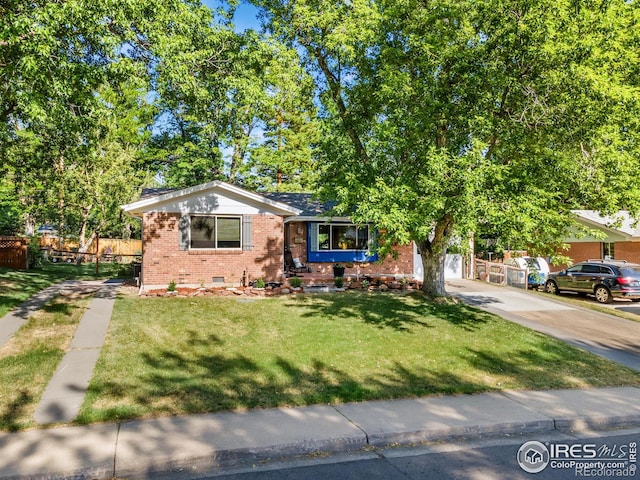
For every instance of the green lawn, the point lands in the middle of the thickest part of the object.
(18, 285)
(203, 354)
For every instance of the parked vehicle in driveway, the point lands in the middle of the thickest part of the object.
(537, 269)
(605, 279)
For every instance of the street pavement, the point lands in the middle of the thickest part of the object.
(191, 446)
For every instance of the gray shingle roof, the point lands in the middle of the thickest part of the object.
(155, 192)
(310, 206)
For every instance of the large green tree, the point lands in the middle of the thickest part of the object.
(74, 83)
(246, 115)
(447, 114)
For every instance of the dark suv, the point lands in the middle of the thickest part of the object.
(605, 279)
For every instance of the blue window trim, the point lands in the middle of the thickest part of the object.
(334, 256)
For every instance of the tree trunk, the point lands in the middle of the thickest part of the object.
(433, 254)
(433, 270)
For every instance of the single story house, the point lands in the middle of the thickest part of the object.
(620, 237)
(220, 234)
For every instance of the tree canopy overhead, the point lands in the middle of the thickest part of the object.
(74, 80)
(447, 115)
(100, 98)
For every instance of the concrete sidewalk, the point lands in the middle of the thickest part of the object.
(190, 446)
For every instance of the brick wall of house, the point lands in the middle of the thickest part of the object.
(163, 261)
(629, 251)
(580, 252)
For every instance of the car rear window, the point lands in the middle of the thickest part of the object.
(533, 263)
(630, 271)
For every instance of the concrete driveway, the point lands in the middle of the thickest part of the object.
(611, 337)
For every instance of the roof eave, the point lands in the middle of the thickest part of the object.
(138, 208)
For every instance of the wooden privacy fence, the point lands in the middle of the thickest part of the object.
(118, 246)
(13, 252)
(501, 274)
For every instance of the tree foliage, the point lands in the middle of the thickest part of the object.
(247, 117)
(454, 115)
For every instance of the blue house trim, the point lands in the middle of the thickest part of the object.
(335, 256)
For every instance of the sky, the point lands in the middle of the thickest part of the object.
(245, 18)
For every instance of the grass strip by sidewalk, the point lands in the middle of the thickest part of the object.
(30, 358)
(190, 355)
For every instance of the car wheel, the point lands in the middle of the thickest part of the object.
(603, 295)
(54, 260)
(551, 287)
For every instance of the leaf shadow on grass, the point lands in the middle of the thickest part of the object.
(398, 312)
(17, 409)
(177, 384)
(64, 308)
(209, 379)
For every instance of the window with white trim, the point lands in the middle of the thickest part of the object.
(336, 236)
(207, 231)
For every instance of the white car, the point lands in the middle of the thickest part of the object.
(537, 269)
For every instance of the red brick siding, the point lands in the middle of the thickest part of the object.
(297, 236)
(163, 261)
(579, 252)
(629, 251)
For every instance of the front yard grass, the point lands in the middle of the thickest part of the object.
(30, 358)
(204, 354)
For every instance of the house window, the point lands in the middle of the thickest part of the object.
(608, 250)
(343, 237)
(215, 232)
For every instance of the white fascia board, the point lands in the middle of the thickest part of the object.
(148, 204)
(592, 219)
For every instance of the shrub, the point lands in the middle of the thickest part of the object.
(295, 282)
(259, 283)
(172, 286)
(338, 282)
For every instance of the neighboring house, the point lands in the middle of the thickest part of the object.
(620, 240)
(217, 233)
